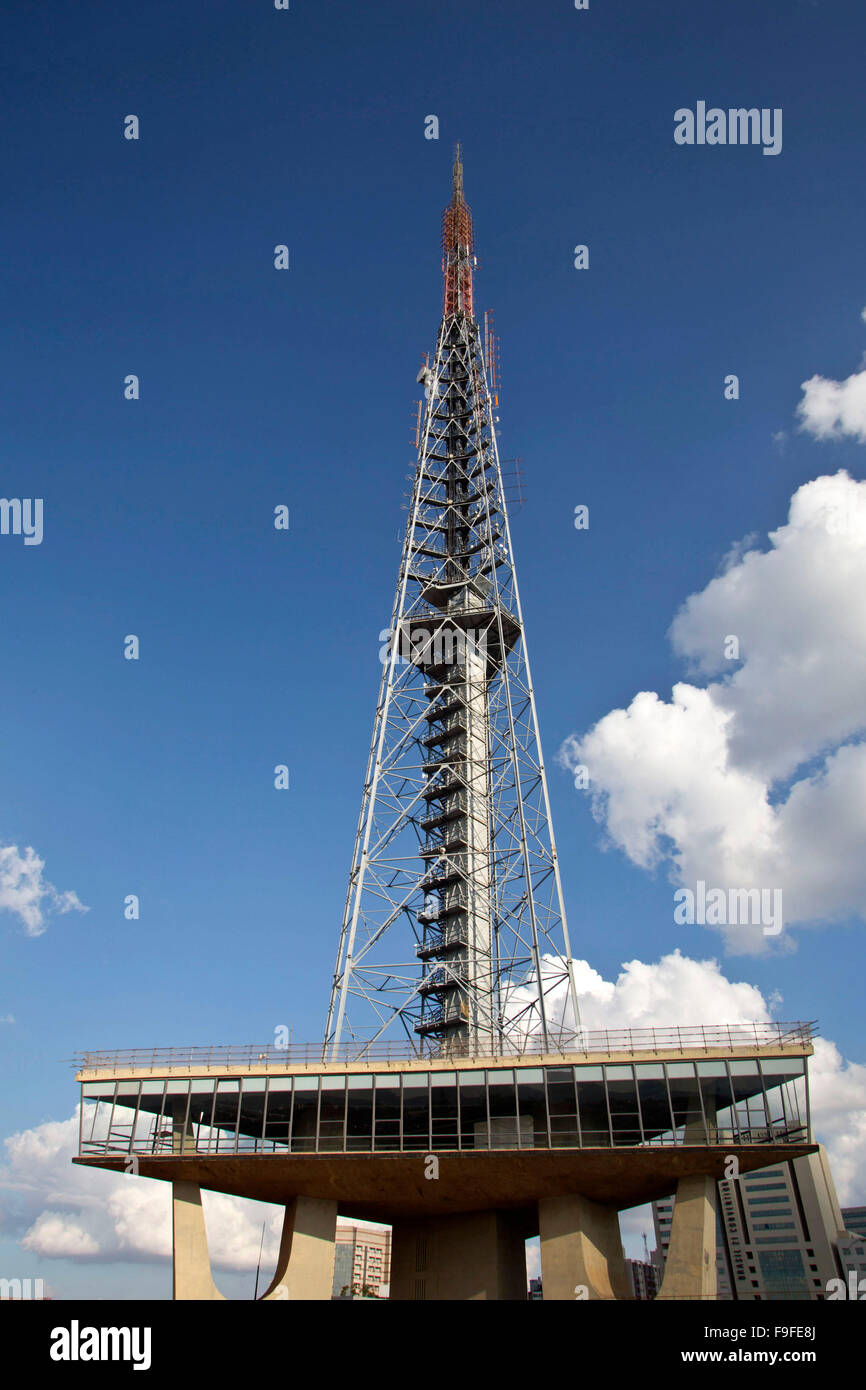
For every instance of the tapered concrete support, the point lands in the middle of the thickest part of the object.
(690, 1268)
(476, 1255)
(305, 1264)
(190, 1258)
(581, 1248)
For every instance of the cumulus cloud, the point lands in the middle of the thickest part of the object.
(833, 409)
(56, 1234)
(838, 1096)
(757, 778)
(24, 890)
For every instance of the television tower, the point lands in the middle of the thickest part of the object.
(454, 932)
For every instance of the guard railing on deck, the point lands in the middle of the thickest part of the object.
(687, 1041)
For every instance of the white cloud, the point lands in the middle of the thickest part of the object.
(24, 891)
(752, 780)
(676, 990)
(59, 1236)
(832, 409)
(838, 1096)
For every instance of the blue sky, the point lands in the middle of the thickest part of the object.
(260, 387)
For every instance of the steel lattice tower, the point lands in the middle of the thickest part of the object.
(454, 928)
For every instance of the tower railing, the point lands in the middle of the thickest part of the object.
(583, 1042)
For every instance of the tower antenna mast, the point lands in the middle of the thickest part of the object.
(454, 932)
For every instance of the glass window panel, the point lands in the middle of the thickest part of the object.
(751, 1119)
(387, 1099)
(443, 1102)
(473, 1114)
(712, 1069)
(745, 1086)
(387, 1136)
(127, 1094)
(95, 1121)
(150, 1100)
(593, 1114)
(622, 1093)
(531, 1107)
(176, 1130)
(279, 1113)
(618, 1073)
(201, 1102)
(332, 1114)
(181, 1088)
(304, 1110)
(100, 1090)
(530, 1076)
(685, 1097)
(444, 1110)
(359, 1115)
(561, 1098)
(225, 1110)
(251, 1120)
(502, 1099)
(564, 1132)
(782, 1066)
(505, 1132)
(500, 1078)
(306, 1083)
(145, 1129)
(649, 1071)
(471, 1078)
(743, 1068)
(655, 1107)
(254, 1083)
(680, 1069)
(775, 1106)
(717, 1099)
(793, 1104)
(626, 1130)
(416, 1113)
(588, 1074)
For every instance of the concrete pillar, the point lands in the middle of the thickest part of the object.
(191, 1262)
(690, 1267)
(581, 1246)
(305, 1264)
(472, 1256)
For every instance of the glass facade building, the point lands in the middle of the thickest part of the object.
(740, 1100)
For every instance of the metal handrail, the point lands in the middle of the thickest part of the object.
(565, 1044)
